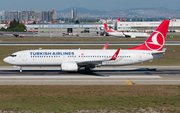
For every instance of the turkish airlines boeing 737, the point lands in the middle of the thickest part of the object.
(72, 60)
(111, 32)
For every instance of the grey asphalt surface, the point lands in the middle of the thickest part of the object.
(81, 43)
(137, 75)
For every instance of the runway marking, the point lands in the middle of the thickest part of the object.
(80, 76)
(91, 80)
(68, 44)
(129, 82)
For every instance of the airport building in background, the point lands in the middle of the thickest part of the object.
(63, 28)
(145, 26)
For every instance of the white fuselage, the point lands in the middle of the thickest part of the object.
(55, 57)
(119, 34)
(3, 26)
(135, 35)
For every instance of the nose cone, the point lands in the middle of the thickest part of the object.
(6, 60)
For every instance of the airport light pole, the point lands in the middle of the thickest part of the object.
(172, 30)
(172, 25)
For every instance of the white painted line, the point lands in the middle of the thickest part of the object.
(58, 44)
(87, 80)
(67, 44)
(80, 77)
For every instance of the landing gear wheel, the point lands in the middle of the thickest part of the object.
(20, 70)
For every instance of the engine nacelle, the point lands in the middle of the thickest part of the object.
(133, 36)
(69, 66)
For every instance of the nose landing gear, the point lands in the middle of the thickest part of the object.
(20, 70)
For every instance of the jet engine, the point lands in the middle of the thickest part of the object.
(133, 36)
(69, 66)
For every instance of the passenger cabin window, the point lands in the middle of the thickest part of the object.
(13, 55)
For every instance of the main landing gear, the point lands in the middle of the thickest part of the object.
(87, 69)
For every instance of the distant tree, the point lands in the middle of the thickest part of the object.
(77, 22)
(110, 27)
(2, 29)
(34, 22)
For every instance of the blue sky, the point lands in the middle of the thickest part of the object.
(102, 5)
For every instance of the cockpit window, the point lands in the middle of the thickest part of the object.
(13, 55)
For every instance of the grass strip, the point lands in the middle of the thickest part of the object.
(68, 98)
(176, 37)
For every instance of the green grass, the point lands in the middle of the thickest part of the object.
(170, 58)
(176, 37)
(74, 98)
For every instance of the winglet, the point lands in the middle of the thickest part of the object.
(105, 47)
(115, 55)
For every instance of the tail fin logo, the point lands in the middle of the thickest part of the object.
(107, 29)
(156, 41)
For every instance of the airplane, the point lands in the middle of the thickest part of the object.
(124, 34)
(74, 59)
(136, 35)
(110, 32)
(22, 34)
(70, 34)
(5, 25)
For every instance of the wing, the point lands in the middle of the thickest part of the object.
(16, 35)
(158, 52)
(97, 62)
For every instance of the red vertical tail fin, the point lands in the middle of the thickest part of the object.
(26, 23)
(118, 19)
(107, 28)
(156, 41)
(38, 22)
(9, 22)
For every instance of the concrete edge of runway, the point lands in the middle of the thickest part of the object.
(132, 67)
(11, 76)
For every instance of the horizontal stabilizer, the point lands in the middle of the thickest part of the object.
(158, 52)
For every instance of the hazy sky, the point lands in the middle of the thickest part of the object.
(102, 5)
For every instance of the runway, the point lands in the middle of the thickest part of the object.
(130, 75)
(77, 43)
